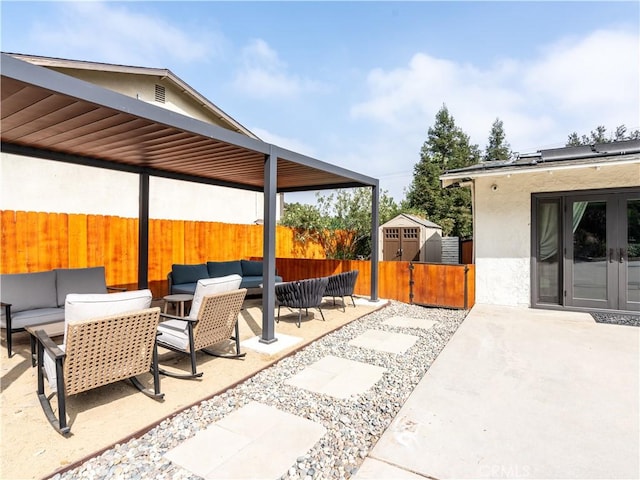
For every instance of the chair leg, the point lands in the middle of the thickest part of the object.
(237, 340)
(321, 314)
(278, 317)
(60, 423)
(299, 317)
(156, 378)
(9, 353)
(192, 357)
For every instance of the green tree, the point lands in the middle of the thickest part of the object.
(497, 148)
(447, 147)
(599, 135)
(341, 210)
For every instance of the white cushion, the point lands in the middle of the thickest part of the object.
(84, 306)
(174, 333)
(209, 286)
(50, 369)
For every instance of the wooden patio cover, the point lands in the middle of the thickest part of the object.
(46, 114)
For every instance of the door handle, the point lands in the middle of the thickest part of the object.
(622, 253)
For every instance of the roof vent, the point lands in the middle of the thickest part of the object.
(160, 93)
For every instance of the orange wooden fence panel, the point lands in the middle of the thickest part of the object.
(37, 241)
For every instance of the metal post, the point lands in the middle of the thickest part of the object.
(411, 282)
(466, 287)
(269, 246)
(375, 222)
(143, 232)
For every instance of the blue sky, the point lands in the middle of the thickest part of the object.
(358, 84)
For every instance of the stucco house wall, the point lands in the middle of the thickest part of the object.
(502, 224)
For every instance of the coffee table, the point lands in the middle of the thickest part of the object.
(52, 329)
(179, 299)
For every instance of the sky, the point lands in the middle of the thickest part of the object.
(358, 84)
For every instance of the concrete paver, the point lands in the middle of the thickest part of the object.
(337, 377)
(383, 341)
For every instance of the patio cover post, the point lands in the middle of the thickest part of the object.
(269, 246)
(143, 232)
(375, 222)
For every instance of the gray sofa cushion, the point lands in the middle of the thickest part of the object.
(38, 316)
(188, 273)
(255, 281)
(79, 280)
(28, 291)
(222, 269)
(188, 288)
(251, 268)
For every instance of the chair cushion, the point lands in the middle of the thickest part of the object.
(28, 291)
(254, 282)
(174, 333)
(209, 286)
(79, 280)
(251, 268)
(38, 316)
(189, 288)
(222, 269)
(188, 273)
(50, 369)
(84, 306)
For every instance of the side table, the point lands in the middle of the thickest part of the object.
(178, 300)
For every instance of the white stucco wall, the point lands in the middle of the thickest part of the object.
(502, 224)
(31, 184)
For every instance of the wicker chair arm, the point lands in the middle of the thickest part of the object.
(166, 316)
(49, 345)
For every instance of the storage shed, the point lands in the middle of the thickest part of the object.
(411, 238)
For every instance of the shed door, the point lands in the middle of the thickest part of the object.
(401, 244)
(391, 244)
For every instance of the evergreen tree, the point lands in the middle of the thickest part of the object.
(447, 147)
(497, 148)
(599, 135)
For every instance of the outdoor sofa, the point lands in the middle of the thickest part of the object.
(184, 277)
(36, 298)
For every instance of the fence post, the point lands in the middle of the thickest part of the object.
(411, 282)
(466, 288)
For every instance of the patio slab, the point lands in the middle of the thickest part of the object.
(337, 377)
(522, 393)
(383, 341)
(255, 441)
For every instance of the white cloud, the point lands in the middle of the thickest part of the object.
(264, 75)
(571, 85)
(113, 33)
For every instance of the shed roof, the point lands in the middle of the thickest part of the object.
(552, 159)
(413, 219)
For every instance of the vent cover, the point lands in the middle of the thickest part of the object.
(160, 93)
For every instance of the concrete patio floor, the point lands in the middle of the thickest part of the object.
(521, 393)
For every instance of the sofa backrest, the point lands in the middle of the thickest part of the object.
(79, 280)
(84, 306)
(209, 286)
(188, 273)
(29, 291)
(222, 269)
(251, 268)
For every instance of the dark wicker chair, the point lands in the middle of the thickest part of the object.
(301, 294)
(342, 285)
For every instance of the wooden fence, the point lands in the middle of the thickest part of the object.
(36, 241)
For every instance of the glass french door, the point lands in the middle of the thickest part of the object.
(602, 251)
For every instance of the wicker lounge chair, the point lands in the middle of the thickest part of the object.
(342, 285)
(301, 294)
(213, 319)
(108, 338)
